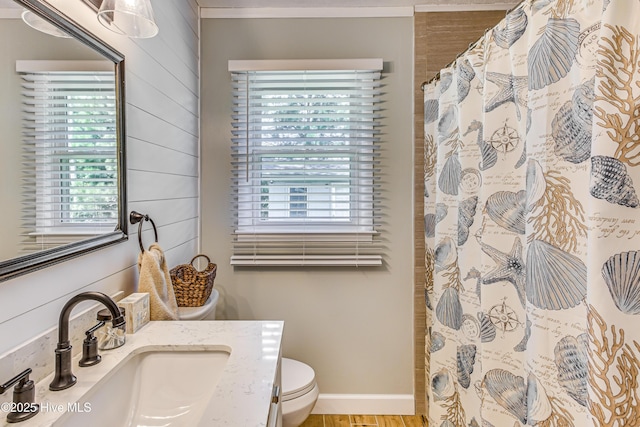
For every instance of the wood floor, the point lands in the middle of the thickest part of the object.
(364, 420)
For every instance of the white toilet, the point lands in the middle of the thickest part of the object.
(299, 392)
(299, 388)
(208, 310)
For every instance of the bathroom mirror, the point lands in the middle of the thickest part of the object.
(62, 140)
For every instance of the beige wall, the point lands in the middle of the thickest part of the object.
(354, 326)
(162, 94)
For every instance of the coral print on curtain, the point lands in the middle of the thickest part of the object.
(532, 174)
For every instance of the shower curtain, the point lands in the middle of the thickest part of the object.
(532, 222)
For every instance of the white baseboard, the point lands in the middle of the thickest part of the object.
(365, 404)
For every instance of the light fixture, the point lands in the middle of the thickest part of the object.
(133, 18)
(42, 25)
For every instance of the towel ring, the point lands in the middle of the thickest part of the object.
(136, 217)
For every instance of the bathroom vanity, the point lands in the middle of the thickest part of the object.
(221, 373)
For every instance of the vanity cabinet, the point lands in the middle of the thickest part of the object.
(275, 410)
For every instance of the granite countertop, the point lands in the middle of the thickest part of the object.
(242, 396)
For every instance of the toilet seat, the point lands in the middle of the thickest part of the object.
(298, 379)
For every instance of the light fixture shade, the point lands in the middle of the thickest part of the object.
(133, 18)
(40, 24)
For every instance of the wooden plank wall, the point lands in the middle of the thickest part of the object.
(439, 37)
(162, 123)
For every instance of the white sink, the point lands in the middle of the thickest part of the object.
(151, 388)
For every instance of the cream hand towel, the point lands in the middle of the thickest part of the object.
(155, 279)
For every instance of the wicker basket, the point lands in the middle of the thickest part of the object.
(193, 287)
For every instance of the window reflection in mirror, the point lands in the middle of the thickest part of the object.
(61, 145)
(69, 162)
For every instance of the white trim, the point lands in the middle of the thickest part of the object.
(306, 260)
(305, 64)
(36, 65)
(464, 7)
(307, 12)
(365, 404)
(269, 233)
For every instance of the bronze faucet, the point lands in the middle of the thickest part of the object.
(64, 378)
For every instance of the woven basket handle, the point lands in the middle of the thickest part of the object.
(198, 256)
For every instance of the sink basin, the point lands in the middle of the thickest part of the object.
(152, 388)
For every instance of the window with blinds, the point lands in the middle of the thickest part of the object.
(70, 155)
(305, 162)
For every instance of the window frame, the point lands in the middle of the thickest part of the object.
(253, 221)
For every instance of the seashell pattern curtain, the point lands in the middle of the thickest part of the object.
(532, 221)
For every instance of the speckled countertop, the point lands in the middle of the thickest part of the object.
(242, 396)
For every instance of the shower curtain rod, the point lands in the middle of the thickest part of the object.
(471, 46)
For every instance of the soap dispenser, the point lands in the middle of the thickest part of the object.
(108, 336)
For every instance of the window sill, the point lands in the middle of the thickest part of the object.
(306, 260)
(306, 235)
(63, 237)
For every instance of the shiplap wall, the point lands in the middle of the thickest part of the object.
(162, 94)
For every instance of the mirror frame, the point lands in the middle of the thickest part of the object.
(39, 260)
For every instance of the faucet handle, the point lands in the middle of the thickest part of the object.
(90, 354)
(24, 393)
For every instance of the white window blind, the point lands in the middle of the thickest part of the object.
(70, 155)
(305, 162)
